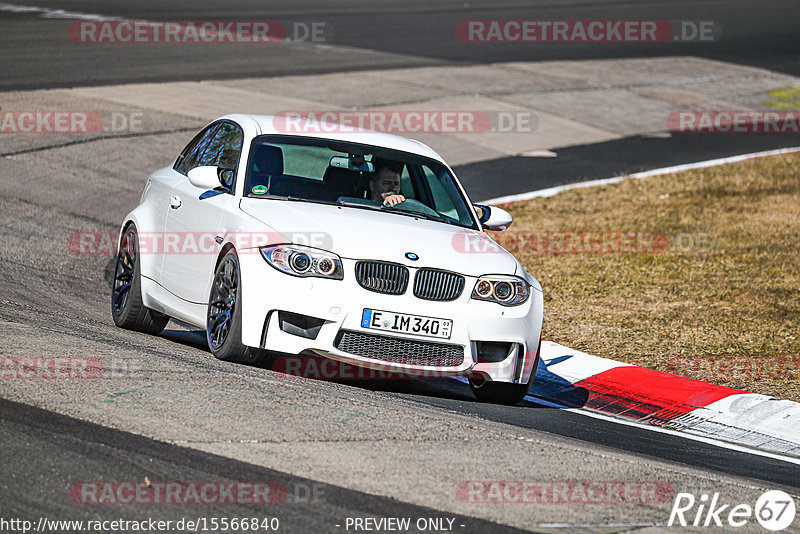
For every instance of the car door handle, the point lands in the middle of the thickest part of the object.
(175, 202)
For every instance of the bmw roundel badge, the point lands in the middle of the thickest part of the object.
(411, 256)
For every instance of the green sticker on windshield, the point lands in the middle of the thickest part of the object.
(259, 190)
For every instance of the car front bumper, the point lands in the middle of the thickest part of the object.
(339, 304)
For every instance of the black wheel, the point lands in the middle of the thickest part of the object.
(503, 392)
(224, 320)
(127, 308)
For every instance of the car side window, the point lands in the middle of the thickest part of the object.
(225, 148)
(192, 155)
(443, 203)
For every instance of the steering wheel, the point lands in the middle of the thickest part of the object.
(412, 205)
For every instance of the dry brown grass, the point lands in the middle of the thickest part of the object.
(721, 303)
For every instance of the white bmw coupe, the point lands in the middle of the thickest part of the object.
(352, 245)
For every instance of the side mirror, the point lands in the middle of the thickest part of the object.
(206, 177)
(493, 218)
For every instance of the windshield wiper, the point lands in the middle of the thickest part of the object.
(439, 218)
(351, 204)
(299, 199)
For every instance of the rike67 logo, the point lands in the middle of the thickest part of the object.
(774, 510)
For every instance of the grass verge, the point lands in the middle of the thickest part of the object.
(695, 273)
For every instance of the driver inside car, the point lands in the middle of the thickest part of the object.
(384, 186)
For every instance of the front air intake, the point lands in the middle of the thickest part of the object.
(400, 350)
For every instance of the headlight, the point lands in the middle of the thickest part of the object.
(505, 290)
(303, 261)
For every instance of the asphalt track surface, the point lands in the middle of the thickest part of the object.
(31, 434)
(66, 301)
(513, 175)
(369, 34)
(456, 396)
(55, 303)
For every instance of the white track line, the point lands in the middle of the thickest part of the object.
(703, 439)
(48, 13)
(550, 191)
(653, 428)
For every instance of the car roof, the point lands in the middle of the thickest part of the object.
(270, 125)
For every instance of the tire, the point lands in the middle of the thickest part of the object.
(224, 316)
(127, 308)
(503, 392)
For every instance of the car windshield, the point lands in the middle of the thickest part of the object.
(354, 175)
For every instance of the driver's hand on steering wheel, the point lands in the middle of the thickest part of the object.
(392, 199)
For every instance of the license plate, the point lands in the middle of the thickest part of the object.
(407, 324)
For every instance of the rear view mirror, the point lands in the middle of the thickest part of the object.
(352, 164)
(494, 218)
(205, 177)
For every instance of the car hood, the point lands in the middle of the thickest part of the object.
(357, 233)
